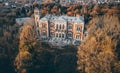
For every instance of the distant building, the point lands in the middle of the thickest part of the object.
(66, 2)
(69, 2)
(63, 28)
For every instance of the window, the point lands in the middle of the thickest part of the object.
(78, 36)
(43, 25)
(69, 34)
(69, 27)
(59, 35)
(56, 34)
(78, 28)
(63, 27)
(57, 26)
(60, 26)
(63, 35)
(38, 32)
(44, 33)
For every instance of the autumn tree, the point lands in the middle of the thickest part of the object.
(55, 10)
(27, 34)
(117, 67)
(97, 53)
(27, 42)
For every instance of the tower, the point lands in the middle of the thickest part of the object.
(37, 16)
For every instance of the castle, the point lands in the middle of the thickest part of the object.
(59, 29)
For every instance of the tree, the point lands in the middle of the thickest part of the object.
(70, 13)
(27, 35)
(117, 67)
(23, 60)
(97, 53)
(76, 11)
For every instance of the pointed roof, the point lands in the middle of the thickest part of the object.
(79, 19)
(63, 18)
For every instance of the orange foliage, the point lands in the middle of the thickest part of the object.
(113, 11)
(70, 13)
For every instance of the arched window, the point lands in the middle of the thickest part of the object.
(78, 36)
(69, 27)
(63, 36)
(60, 26)
(56, 34)
(63, 27)
(57, 26)
(78, 28)
(69, 34)
(44, 33)
(59, 35)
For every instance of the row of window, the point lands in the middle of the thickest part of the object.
(60, 35)
(63, 27)
(60, 26)
(70, 35)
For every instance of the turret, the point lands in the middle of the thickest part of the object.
(36, 15)
(37, 18)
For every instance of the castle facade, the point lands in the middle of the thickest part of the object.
(65, 29)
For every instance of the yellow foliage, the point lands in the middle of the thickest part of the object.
(27, 36)
(96, 54)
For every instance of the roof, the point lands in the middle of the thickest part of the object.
(79, 20)
(63, 18)
(73, 19)
(49, 17)
(44, 19)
